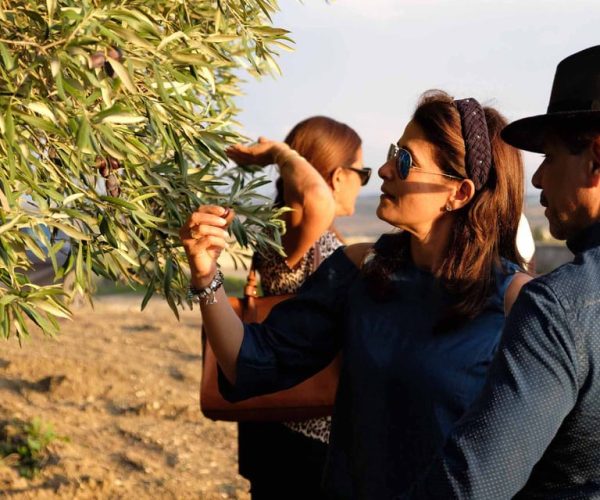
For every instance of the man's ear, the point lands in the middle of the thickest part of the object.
(596, 152)
(595, 161)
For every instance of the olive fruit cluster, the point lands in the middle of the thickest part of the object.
(107, 167)
(99, 60)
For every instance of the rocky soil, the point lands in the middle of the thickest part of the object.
(122, 386)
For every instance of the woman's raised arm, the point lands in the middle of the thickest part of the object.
(305, 191)
(204, 236)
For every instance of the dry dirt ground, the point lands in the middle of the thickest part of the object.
(122, 386)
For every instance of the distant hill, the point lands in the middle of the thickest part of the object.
(535, 214)
(365, 225)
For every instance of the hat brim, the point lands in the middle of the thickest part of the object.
(530, 133)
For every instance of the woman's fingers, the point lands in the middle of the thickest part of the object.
(208, 214)
(208, 242)
(239, 151)
(228, 216)
(211, 209)
(243, 158)
(258, 153)
(205, 244)
(204, 235)
(234, 153)
(207, 220)
(197, 218)
(203, 230)
(238, 148)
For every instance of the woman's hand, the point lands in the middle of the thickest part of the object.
(204, 236)
(263, 152)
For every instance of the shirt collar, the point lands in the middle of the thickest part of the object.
(586, 238)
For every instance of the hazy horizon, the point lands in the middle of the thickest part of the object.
(366, 63)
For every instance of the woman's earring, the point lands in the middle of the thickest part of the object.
(448, 207)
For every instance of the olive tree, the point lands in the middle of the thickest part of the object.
(114, 117)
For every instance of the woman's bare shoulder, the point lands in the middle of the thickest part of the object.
(512, 292)
(357, 252)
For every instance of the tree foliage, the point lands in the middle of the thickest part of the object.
(114, 116)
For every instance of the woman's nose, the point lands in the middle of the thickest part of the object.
(386, 170)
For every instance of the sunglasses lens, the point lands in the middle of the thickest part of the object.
(365, 175)
(403, 163)
(392, 152)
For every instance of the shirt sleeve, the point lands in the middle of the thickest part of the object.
(531, 387)
(298, 338)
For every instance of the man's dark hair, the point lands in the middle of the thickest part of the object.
(575, 136)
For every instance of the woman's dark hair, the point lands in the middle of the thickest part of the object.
(325, 143)
(485, 229)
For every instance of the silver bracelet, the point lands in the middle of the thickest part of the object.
(207, 295)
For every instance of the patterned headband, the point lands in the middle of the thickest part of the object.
(477, 142)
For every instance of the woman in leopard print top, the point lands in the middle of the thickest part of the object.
(321, 172)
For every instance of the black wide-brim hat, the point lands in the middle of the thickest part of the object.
(575, 98)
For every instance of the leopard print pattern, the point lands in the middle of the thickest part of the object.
(277, 279)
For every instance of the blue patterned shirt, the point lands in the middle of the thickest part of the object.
(535, 430)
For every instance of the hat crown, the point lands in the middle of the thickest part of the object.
(576, 84)
(574, 101)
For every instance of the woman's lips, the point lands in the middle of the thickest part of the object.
(385, 194)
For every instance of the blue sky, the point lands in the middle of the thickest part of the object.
(365, 62)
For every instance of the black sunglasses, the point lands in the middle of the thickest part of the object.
(364, 173)
(404, 162)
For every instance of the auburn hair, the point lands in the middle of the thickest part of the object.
(325, 143)
(485, 230)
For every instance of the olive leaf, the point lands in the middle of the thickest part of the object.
(114, 119)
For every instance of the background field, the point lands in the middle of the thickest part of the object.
(365, 223)
(122, 386)
(365, 226)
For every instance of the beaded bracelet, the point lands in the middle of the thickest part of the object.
(207, 295)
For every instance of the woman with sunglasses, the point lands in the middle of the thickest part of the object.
(321, 172)
(417, 316)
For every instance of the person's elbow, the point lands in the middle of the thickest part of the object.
(318, 200)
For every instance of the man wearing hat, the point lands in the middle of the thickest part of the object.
(535, 430)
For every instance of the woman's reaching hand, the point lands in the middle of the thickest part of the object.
(264, 152)
(204, 235)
